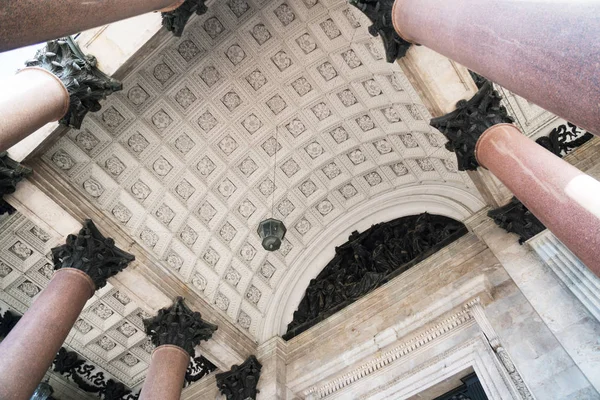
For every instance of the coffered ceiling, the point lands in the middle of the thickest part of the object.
(183, 157)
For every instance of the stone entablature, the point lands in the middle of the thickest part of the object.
(414, 308)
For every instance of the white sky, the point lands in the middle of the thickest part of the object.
(11, 61)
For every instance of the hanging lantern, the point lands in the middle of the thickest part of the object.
(42, 392)
(271, 231)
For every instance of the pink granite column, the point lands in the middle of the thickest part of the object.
(175, 331)
(28, 101)
(29, 349)
(165, 377)
(25, 22)
(564, 199)
(547, 52)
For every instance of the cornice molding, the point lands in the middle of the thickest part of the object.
(457, 320)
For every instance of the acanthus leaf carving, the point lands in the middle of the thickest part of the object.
(466, 124)
(516, 218)
(199, 367)
(240, 382)
(86, 84)
(92, 253)
(176, 20)
(179, 326)
(11, 173)
(563, 139)
(380, 14)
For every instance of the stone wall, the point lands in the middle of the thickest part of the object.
(414, 332)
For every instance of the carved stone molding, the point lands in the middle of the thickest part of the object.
(240, 382)
(176, 20)
(466, 124)
(476, 310)
(178, 326)
(380, 14)
(11, 173)
(86, 84)
(92, 253)
(564, 138)
(453, 322)
(516, 218)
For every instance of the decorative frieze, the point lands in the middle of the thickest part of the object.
(176, 20)
(86, 84)
(199, 367)
(380, 14)
(564, 138)
(466, 124)
(401, 351)
(11, 173)
(92, 253)
(178, 326)
(370, 259)
(516, 218)
(240, 382)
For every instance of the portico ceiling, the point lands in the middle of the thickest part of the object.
(183, 157)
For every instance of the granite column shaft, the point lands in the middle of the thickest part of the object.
(29, 100)
(29, 349)
(25, 22)
(562, 197)
(166, 374)
(547, 54)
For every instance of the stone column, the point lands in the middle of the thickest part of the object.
(30, 100)
(83, 265)
(549, 55)
(25, 22)
(60, 83)
(175, 331)
(440, 82)
(563, 198)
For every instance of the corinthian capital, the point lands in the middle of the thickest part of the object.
(86, 84)
(176, 20)
(179, 326)
(92, 253)
(463, 126)
(380, 14)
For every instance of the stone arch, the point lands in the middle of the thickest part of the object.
(437, 199)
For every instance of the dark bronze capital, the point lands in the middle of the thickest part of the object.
(179, 326)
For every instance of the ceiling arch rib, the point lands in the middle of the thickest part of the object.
(183, 157)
